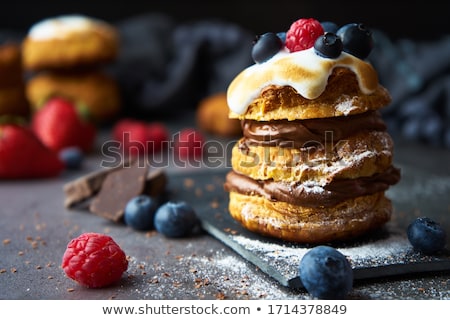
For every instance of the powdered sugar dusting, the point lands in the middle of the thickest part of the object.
(346, 107)
(371, 253)
(219, 275)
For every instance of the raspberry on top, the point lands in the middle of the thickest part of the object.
(303, 58)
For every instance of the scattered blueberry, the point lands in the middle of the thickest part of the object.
(72, 157)
(140, 211)
(329, 26)
(175, 219)
(328, 45)
(356, 39)
(266, 46)
(426, 235)
(326, 273)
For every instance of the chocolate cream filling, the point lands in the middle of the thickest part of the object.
(309, 132)
(309, 194)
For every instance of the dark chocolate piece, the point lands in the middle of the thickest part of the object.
(117, 189)
(87, 186)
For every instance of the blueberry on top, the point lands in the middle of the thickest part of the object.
(326, 273)
(328, 45)
(266, 46)
(356, 39)
(329, 26)
(282, 36)
(426, 235)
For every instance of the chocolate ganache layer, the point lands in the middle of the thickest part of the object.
(312, 195)
(307, 132)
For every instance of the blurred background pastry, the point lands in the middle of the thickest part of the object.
(69, 41)
(212, 116)
(68, 56)
(94, 89)
(12, 86)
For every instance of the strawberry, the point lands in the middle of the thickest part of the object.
(59, 125)
(23, 155)
(157, 134)
(139, 137)
(132, 135)
(189, 144)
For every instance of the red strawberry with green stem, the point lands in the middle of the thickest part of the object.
(59, 124)
(24, 156)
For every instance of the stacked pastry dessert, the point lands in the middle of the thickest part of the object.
(13, 101)
(315, 158)
(65, 56)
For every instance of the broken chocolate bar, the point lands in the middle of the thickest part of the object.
(80, 192)
(121, 186)
(85, 187)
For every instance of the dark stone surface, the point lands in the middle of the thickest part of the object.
(35, 228)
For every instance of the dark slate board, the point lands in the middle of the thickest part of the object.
(386, 252)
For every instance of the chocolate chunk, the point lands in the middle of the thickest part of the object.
(156, 183)
(117, 189)
(85, 187)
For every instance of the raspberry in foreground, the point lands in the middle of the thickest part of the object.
(94, 260)
(302, 34)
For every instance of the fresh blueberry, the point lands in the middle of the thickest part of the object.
(72, 157)
(175, 219)
(326, 273)
(426, 235)
(266, 46)
(282, 36)
(140, 211)
(356, 39)
(329, 26)
(328, 45)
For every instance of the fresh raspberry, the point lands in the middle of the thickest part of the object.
(94, 260)
(302, 34)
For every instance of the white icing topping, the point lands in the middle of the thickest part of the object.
(61, 27)
(304, 70)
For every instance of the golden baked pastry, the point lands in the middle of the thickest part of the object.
(315, 159)
(212, 116)
(362, 154)
(347, 220)
(342, 96)
(95, 89)
(13, 101)
(69, 41)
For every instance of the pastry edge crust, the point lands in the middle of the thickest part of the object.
(347, 220)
